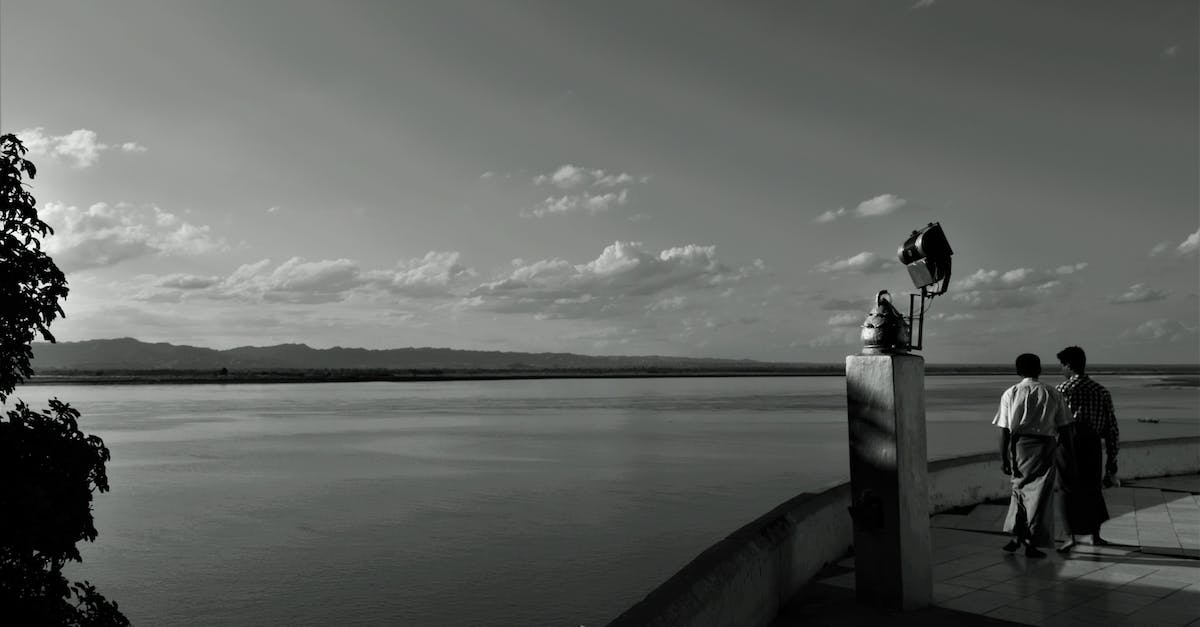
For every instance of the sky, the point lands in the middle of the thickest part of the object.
(692, 179)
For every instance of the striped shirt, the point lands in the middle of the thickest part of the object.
(1092, 407)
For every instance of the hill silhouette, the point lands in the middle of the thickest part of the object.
(129, 354)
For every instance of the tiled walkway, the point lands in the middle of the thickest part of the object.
(1149, 576)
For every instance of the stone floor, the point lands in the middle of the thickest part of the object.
(1150, 575)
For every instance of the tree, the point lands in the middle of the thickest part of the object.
(49, 469)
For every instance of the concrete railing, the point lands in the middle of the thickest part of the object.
(746, 578)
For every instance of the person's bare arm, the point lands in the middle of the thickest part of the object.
(1005, 445)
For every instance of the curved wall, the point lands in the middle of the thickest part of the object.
(744, 579)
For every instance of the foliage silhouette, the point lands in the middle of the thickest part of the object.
(48, 467)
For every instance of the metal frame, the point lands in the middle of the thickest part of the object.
(919, 319)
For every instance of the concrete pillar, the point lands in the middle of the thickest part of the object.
(889, 480)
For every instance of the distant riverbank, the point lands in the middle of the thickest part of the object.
(1167, 375)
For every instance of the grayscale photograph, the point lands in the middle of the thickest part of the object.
(567, 313)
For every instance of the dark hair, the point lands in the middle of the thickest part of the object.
(1029, 365)
(1074, 357)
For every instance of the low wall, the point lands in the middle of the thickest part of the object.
(745, 579)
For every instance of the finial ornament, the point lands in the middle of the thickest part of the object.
(884, 330)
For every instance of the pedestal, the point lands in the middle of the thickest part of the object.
(889, 480)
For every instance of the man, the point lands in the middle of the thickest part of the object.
(1030, 415)
(1092, 409)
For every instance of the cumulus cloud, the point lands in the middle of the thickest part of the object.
(830, 216)
(81, 147)
(437, 274)
(880, 205)
(951, 317)
(922, 4)
(1189, 245)
(841, 304)
(674, 303)
(104, 235)
(1012, 289)
(187, 281)
(1185, 248)
(846, 320)
(1139, 293)
(625, 277)
(1170, 51)
(433, 275)
(1160, 330)
(565, 177)
(864, 262)
(293, 281)
(1070, 268)
(611, 190)
(585, 202)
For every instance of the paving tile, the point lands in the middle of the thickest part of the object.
(945, 592)
(1020, 586)
(1153, 586)
(1120, 602)
(967, 581)
(978, 601)
(1087, 614)
(1017, 615)
(1168, 615)
(1048, 605)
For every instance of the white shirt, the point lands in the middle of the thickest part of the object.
(1032, 408)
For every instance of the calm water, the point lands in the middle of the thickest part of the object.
(470, 503)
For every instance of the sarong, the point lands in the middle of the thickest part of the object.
(1029, 513)
(1080, 482)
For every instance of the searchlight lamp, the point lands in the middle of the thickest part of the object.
(926, 254)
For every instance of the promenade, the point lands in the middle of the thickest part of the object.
(1148, 576)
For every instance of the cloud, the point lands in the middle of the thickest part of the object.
(80, 146)
(674, 303)
(922, 4)
(1189, 245)
(614, 191)
(433, 275)
(880, 205)
(585, 202)
(1170, 51)
(187, 281)
(1070, 268)
(838, 336)
(1013, 289)
(293, 281)
(846, 320)
(830, 216)
(841, 304)
(104, 235)
(274, 209)
(624, 278)
(1139, 293)
(299, 281)
(565, 177)
(864, 262)
(1185, 248)
(1160, 330)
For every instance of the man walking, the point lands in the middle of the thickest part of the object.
(1030, 415)
(1092, 409)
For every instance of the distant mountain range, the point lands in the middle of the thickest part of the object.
(131, 354)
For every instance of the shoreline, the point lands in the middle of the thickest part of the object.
(1158, 376)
